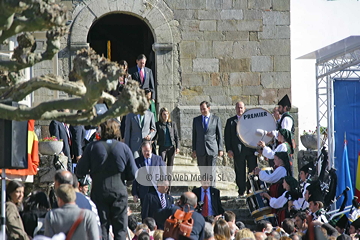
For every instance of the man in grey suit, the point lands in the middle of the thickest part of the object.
(61, 219)
(139, 128)
(206, 137)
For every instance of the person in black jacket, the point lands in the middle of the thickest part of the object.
(214, 207)
(167, 137)
(237, 150)
(109, 163)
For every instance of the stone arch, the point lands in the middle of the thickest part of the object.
(160, 19)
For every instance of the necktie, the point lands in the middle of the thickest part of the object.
(142, 75)
(163, 203)
(67, 133)
(206, 121)
(205, 210)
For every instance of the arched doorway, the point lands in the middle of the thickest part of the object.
(120, 36)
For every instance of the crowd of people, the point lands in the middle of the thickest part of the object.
(108, 156)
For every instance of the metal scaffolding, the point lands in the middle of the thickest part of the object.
(335, 62)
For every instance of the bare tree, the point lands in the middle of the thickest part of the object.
(89, 81)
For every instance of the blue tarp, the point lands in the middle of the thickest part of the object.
(346, 113)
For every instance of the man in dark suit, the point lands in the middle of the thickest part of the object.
(210, 196)
(155, 201)
(206, 138)
(186, 199)
(78, 141)
(139, 128)
(238, 151)
(143, 74)
(149, 161)
(61, 131)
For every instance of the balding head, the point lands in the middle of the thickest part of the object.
(63, 177)
(260, 236)
(240, 108)
(188, 198)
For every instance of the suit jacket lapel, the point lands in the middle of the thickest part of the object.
(210, 120)
(236, 119)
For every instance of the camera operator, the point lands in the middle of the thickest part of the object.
(210, 197)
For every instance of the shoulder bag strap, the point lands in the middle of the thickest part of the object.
(75, 225)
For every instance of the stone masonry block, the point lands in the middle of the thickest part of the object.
(232, 14)
(223, 48)
(276, 80)
(207, 25)
(282, 64)
(268, 96)
(253, 36)
(184, 14)
(275, 47)
(239, 4)
(99, 8)
(189, 25)
(163, 33)
(239, 25)
(261, 64)
(186, 65)
(192, 36)
(206, 65)
(198, 4)
(244, 49)
(236, 36)
(275, 32)
(215, 90)
(236, 90)
(276, 18)
(214, 36)
(187, 49)
(235, 65)
(192, 91)
(281, 5)
(155, 18)
(209, 14)
(196, 79)
(252, 90)
(244, 79)
(204, 49)
(214, 4)
(253, 14)
(219, 79)
(260, 4)
(227, 4)
(220, 100)
(194, 100)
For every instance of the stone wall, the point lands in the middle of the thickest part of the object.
(233, 49)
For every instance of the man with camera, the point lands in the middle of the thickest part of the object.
(209, 200)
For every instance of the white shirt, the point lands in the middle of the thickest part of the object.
(269, 153)
(301, 203)
(278, 202)
(274, 177)
(287, 123)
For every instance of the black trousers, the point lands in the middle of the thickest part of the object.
(167, 154)
(245, 157)
(112, 210)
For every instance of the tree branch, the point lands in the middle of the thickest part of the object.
(22, 89)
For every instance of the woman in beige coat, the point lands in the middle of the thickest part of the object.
(14, 224)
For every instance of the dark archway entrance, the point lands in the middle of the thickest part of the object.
(122, 37)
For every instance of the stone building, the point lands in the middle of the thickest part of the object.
(221, 51)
